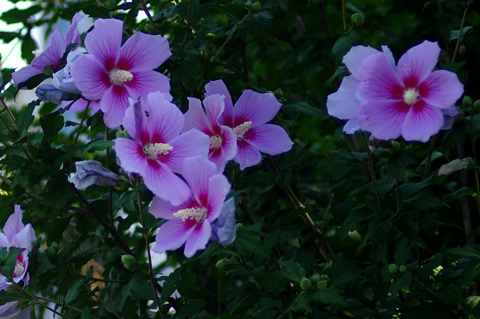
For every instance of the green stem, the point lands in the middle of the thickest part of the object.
(110, 194)
(292, 305)
(344, 14)
(477, 183)
(9, 113)
(371, 170)
(81, 124)
(429, 157)
(149, 17)
(230, 36)
(459, 40)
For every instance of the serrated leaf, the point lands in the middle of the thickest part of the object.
(73, 292)
(329, 296)
(292, 270)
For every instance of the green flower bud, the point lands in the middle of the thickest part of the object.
(305, 283)
(224, 264)
(357, 19)
(48, 70)
(467, 101)
(402, 268)
(278, 93)
(315, 279)
(248, 4)
(129, 262)
(256, 6)
(322, 284)
(393, 268)
(476, 106)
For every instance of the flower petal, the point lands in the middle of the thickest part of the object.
(130, 155)
(9, 309)
(196, 117)
(269, 139)
(422, 122)
(188, 144)
(379, 79)
(24, 238)
(441, 89)
(114, 103)
(247, 155)
(256, 107)
(214, 106)
(14, 224)
(171, 235)
(355, 57)
(197, 172)
(143, 52)
(351, 126)
(104, 41)
(384, 119)
(135, 122)
(344, 103)
(165, 120)
(72, 35)
(218, 188)
(146, 82)
(417, 63)
(198, 239)
(90, 77)
(164, 183)
(52, 54)
(224, 228)
(162, 209)
(218, 87)
(24, 74)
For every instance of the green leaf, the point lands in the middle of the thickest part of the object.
(171, 284)
(51, 125)
(8, 36)
(74, 291)
(329, 296)
(453, 166)
(472, 303)
(292, 270)
(302, 107)
(18, 15)
(454, 33)
(464, 191)
(86, 313)
(28, 47)
(98, 146)
(344, 43)
(396, 168)
(338, 163)
(26, 119)
(341, 70)
(10, 261)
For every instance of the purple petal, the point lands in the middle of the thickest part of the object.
(14, 224)
(4, 242)
(344, 103)
(135, 122)
(162, 209)
(148, 81)
(355, 57)
(417, 63)
(351, 126)
(90, 77)
(52, 54)
(227, 151)
(72, 35)
(441, 89)
(247, 155)
(188, 144)
(379, 79)
(131, 156)
(143, 52)
(384, 119)
(197, 172)
(218, 188)
(450, 115)
(218, 87)
(24, 74)
(389, 55)
(9, 310)
(214, 106)
(24, 238)
(224, 228)
(198, 239)
(171, 235)
(165, 120)
(269, 139)
(104, 41)
(256, 107)
(422, 122)
(162, 182)
(114, 103)
(196, 118)
(81, 105)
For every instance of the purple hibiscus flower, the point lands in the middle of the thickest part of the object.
(190, 223)
(223, 140)
(389, 100)
(113, 73)
(16, 234)
(157, 149)
(51, 56)
(248, 120)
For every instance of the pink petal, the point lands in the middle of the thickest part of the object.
(227, 151)
(172, 235)
(218, 188)
(114, 103)
(269, 139)
(355, 57)
(24, 238)
(214, 106)
(90, 77)
(136, 123)
(24, 74)
(422, 122)
(379, 79)
(256, 107)
(143, 52)
(131, 156)
(198, 239)
(52, 54)
(247, 155)
(441, 89)
(104, 41)
(389, 55)
(197, 172)
(218, 87)
(344, 104)
(188, 144)
(196, 118)
(14, 224)
(146, 82)
(165, 120)
(417, 63)
(162, 182)
(162, 209)
(384, 119)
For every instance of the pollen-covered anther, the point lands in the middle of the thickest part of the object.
(411, 96)
(197, 213)
(120, 76)
(242, 129)
(153, 150)
(215, 141)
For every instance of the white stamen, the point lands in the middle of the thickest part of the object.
(215, 141)
(197, 213)
(19, 268)
(153, 150)
(411, 96)
(120, 76)
(242, 129)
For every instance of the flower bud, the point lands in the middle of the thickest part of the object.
(256, 6)
(467, 101)
(322, 284)
(305, 283)
(224, 264)
(278, 93)
(392, 268)
(92, 172)
(129, 262)
(315, 279)
(476, 106)
(357, 19)
(48, 70)
(49, 93)
(402, 268)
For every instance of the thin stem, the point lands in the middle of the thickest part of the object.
(459, 40)
(150, 269)
(102, 302)
(189, 16)
(110, 194)
(292, 305)
(344, 14)
(477, 183)
(81, 123)
(429, 157)
(371, 170)
(149, 17)
(230, 36)
(9, 113)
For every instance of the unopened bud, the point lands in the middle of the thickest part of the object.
(224, 264)
(305, 283)
(256, 6)
(392, 268)
(322, 284)
(476, 106)
(315, 279)
(129, 262)
(357, 19)
(278, 93)
(402, 268)
(467, 101)
(462, 49)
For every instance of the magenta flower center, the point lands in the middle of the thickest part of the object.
(19, 267)
(242, 129)
(215, 141)
(411, 96)
(153, 150)
(197, 213)
(119, 77)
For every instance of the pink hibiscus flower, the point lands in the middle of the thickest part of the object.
(156, 149)
(113, 73)
(191, 222)
(248, 120)
(52, 55)
(223, 140)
